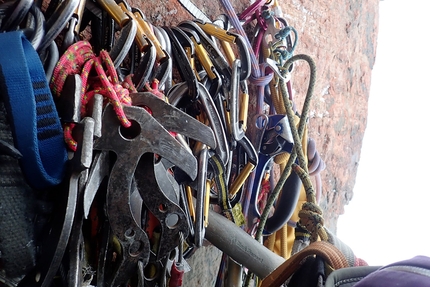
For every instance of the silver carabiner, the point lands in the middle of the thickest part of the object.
(199, 226)
(236, 131)
(58, 21)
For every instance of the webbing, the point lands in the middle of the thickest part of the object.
(31, 110)
(223, 200)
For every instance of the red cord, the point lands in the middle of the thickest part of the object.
(80, 59)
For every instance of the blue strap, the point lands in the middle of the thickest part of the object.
(35, 124)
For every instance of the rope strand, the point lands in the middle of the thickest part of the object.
(80, 59)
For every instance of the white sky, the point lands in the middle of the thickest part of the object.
(388, 218)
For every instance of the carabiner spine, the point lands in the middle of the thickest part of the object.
(204, 59)
(142, 43)
(115, 11)
(243, 110)
(217, 32)
(146, 30)
(241, 178)
(228, 52)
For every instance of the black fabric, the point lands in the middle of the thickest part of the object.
(348, 277)
(308, 274)
(17, 244)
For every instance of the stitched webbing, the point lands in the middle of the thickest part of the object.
(34, 120)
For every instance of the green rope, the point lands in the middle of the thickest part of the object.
(297, 136)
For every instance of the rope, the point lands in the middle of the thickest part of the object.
(234, 19)
(297, 152)
(79, 58)
(297, 135)
(258, 76)
(331, 255)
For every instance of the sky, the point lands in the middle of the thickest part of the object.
(388, 218)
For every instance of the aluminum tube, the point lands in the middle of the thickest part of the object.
(240, 246)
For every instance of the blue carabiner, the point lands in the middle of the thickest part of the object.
(277, 138)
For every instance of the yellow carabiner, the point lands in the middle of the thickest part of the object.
(223, 36)
(147, 31)
(115, 12)
(140, 40)
(217, 32)
(232, 38)
(79, 11)
(241, 178)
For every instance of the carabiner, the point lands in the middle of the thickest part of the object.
(164, 40)
(199, 225)
(72, 33)
(143, 72)
(180, 40)
(246, 15)
(203, 58)
(115, 11)
(223, 22)
(141, 40)
(237, 132)
(37, 20)
(252, 162)
(122, 46)
(55, 24)
(231, 38)
(176, 94)
(214, 53)
(20, 10)
(290, 45)
(147, 31)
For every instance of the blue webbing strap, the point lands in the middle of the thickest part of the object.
(35, 124)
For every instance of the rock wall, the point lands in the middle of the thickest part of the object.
(341, 36)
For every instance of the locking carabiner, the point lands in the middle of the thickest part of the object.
(277, 138)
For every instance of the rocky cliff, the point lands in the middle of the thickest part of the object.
(341, 36)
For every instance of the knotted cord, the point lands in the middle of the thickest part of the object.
(79, 58)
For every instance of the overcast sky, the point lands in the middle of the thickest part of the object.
(388, 218)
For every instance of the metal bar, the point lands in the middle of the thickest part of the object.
(240, 246)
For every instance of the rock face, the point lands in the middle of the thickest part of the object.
(341, 38)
